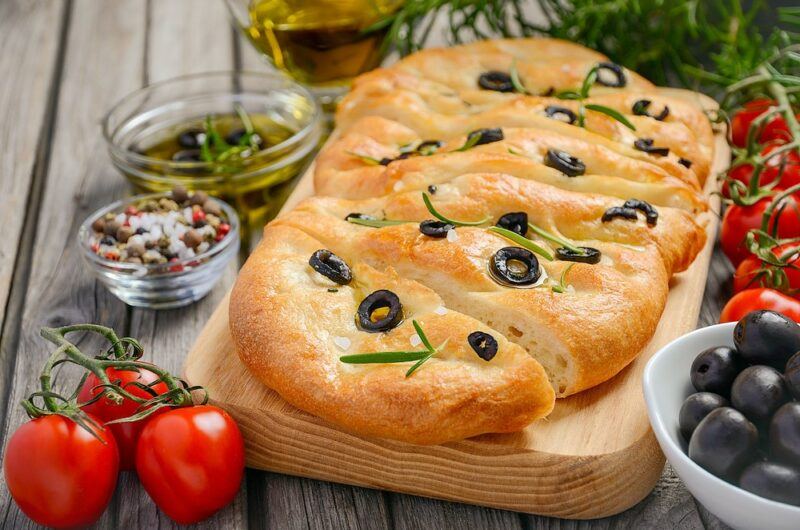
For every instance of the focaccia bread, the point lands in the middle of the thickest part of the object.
(474, 253)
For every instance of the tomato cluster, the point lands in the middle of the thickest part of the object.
(190, 460)
(767, 268)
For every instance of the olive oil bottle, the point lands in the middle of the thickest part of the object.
(321, 43)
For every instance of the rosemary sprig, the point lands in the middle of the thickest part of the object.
(375, 223)
(472, 141)
(516, 81)
(611, 113)
(428, 204)
(583, 93)
(561, 286)
(555, 239)
(522, 241)
(364, 158)
(388, 357)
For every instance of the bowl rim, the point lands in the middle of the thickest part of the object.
(663, 433)
(313, 124)
(141, 270)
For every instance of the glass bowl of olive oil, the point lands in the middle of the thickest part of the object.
(239, 136)
(320, 43)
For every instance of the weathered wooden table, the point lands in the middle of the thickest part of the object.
(63, 63)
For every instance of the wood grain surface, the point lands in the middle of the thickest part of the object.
(63, 63)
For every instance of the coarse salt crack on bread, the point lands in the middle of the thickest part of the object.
(480, 245)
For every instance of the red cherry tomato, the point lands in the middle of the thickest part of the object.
(59, 474)
(738, 220)
(760, 298)
(191, 461)
(126, 434)
(746, 275)
(784, 167)
(774, 129)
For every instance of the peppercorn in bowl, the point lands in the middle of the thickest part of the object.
(161, 250)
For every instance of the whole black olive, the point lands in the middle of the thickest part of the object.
(695, 408)
(685, 162)
(724, 442)
(784, 433)
(767, 337)
(497, 81)
(792, 374)
(432, 189)
(517, 222)
(715, 369)
(435, 228)
(646, 145)
(187, 155)
(235, 138)
(621, 212)
(564, 162)
(561, 114)
(650, 213)
(331, 266)
(640, 109)
(587, 255)
(429, 147)
(484, 345)
(758, 391)
(772, 481)
(611, 75)
(192, 138)
(485, 136)
(380, 311)
(515, 266)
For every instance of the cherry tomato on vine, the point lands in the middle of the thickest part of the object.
(760, 298)
(126, 434)
(784, 167)
(747, 273)
(191, 461)
(774, 129)
(59, 473)
(738, 220)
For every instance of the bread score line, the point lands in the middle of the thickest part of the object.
(354, 273)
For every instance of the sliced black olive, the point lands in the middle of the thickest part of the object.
(564, 162)
(485, 136)
(385, 161)
(356, 215)
(429, 147)
(484, 345)
(589, 255)
(646, 145)
(235, 138)
(187, 155)
(641, 106)
(435, 228)
(380, 311)
(619, 211)
(561, 114)
(517, 222)
(331, 266)
(432, 189)
(403, 156)
(611, 75)
(685, 162)
(497, 81)
(515, 266)
(192, 138)
(650, 213)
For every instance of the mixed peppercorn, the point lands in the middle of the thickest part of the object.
(161, 231)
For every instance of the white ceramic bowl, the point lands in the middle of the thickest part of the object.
(666, 386)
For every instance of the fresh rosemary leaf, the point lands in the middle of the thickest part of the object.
(588, 81)
(522, 241)
(375, 223)
(426, 198)
(472, 140)
(561, 286)
(364, 158)
(611, 113)
(384, 357)
(516, 81)
(422, 336)
(422, 361)
(555, 239)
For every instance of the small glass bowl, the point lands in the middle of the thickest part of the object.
(160, 286)
(156, 112)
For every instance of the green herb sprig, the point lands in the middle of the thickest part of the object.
(387, 357)
(561, 286)
(583, 93)
(522, 241)
(429, 205)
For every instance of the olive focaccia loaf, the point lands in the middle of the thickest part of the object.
(475, 250)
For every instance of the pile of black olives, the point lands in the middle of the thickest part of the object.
(743, 423)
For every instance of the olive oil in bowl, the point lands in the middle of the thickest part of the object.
(321, 43)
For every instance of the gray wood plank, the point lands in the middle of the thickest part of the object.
(418, 513)
(184, 37)
(30, 36)
(105, 37)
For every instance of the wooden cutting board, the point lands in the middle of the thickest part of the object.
(594, 456)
